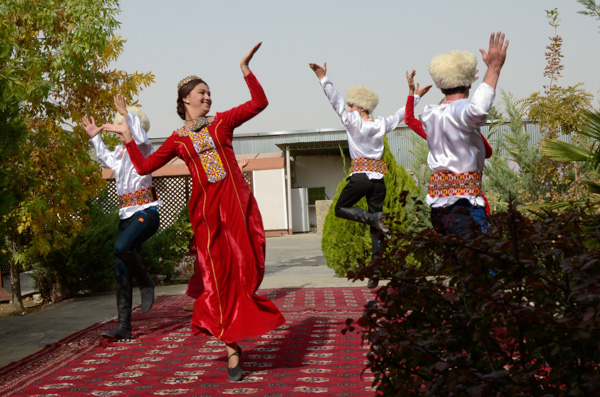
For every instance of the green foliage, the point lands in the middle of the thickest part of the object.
(422, 173)
(85, 265)
(554, 65)
(166, 249)
(503, 180)
(511, 313)
(587, 151)
(558, 110)
(54, 63)
(13, 136)
(346, 243)
(88, 263)
(398, 182)
(592, 8)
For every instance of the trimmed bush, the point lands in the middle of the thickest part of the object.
(345, 243)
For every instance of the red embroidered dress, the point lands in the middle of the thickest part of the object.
(228, 228)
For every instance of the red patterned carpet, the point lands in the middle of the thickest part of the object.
(307, 355)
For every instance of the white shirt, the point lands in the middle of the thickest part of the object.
(126, 177)
(365, 137)
(454, 139)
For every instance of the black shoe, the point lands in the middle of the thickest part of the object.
(235, 373)
(373, 283)
(117, 334)
(147, 294)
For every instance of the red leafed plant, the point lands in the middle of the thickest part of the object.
(515, 312)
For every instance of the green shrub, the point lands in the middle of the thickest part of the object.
(88, 263)
(512, 313)
(164, 251)
(345, 243)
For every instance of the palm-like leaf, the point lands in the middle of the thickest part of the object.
(591, 129)
(564, 151)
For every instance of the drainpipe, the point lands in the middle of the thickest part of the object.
(288, 178)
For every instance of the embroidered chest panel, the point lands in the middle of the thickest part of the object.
(205, 148)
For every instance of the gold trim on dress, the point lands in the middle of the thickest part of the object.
(206, 150)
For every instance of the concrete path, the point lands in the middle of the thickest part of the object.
(292, 262)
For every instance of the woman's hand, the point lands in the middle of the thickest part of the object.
(422, 91)
(411, 82)
(121, 129)
(411, 85)
(242, 163)
(244, 63)
(90, 127)
(320, 71)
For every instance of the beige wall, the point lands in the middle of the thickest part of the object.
(269, 190)
(319, 171)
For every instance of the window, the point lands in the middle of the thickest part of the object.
(316, 193)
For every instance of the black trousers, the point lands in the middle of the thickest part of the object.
(374, 190)
(133, 231)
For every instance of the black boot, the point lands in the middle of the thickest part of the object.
(124, 304)
(377, 244)
(360, 215)
(137, 269)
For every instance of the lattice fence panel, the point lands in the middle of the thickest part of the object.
(174, 192)
(249, 180)
(110, 200)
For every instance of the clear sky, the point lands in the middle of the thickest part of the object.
(370, 43)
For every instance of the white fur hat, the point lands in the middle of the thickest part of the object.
(137, 110)
(453, 69)
(362, 97)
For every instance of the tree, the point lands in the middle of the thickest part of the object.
(558, 111)
(513, 174)
(587, 152)
(593, 9)
(345, 243)
(13, 133)
(55, 62)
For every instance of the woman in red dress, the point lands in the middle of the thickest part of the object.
(228, 228)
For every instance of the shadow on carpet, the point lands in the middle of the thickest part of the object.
(307, 355)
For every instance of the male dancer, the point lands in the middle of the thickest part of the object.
(456, 147)
(365, 142)
(138, 213)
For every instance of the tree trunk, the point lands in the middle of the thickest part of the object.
(15, 279)
(15, 287)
